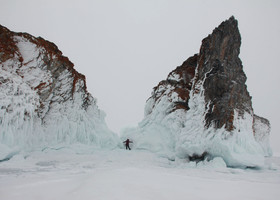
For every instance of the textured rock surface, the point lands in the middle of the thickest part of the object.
(261, 128)
(224, 79)
(204, 105)
(44, 100)
(180, 82)
(220, 69)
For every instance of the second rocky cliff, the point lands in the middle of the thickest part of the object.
(204, 108)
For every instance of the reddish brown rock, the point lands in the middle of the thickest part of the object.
(44, 100)
(216, 73)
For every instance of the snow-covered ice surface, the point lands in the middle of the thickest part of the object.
(82, 172)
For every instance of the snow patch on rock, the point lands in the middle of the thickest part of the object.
(44, 101)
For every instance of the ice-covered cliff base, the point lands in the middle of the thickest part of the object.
(43, 100)
(181, 135)
(203, 110)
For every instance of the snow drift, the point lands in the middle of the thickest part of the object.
(203, 109)
(43, 99)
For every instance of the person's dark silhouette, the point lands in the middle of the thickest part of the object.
(127, 144)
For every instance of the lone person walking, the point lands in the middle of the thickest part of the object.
(127, 144)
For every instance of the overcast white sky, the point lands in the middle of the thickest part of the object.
(125, 47)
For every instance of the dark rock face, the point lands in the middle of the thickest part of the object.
(215, 74)
(222, 71)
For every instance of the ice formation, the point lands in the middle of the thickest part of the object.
(44, 100)
(203, 109)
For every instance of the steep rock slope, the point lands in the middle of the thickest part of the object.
(43, 99)
(203, 108)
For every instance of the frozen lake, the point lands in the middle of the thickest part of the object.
(85, 173)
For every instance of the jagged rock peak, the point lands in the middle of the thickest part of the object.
(225, 40)
(44, 99)
(221, 71)
(203, 108)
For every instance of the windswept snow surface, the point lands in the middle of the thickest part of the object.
(81, 172)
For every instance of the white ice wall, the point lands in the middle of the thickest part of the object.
(62, 120)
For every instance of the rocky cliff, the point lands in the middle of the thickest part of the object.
(204, 108)
(43, 99)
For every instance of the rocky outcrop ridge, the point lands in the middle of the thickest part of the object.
(224, 79)
(44, 100)
(219, 71)
(204, 105)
